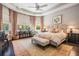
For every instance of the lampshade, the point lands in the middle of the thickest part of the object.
(20, 26)
(71, 27)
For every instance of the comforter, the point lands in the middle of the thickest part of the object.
(55, 38)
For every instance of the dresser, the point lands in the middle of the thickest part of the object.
(73, 37)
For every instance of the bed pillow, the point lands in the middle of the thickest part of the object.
(45, 35)
(54, 30)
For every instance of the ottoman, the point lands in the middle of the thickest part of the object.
(40, 41)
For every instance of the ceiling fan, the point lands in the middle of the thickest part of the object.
(37, 6)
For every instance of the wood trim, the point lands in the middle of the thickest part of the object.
(1, 16)
(33, 21)
(13, 21)
(42, 22)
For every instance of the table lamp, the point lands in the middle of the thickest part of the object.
(71, 28)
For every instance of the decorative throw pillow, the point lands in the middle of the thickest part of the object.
(54, 30)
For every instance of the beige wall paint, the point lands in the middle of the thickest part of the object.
(70, 16)
(38, 20)
(23, 19)
(5, 16)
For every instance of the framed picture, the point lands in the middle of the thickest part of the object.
(57, 19)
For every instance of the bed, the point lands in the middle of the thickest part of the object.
(55, 38)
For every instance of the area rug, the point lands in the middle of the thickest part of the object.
(62, 50)
(24, 47)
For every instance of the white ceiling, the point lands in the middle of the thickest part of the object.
(29, 8)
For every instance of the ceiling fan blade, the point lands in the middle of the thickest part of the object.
(39, 10)
(37, 6)
(44, 5)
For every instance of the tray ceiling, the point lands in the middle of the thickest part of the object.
(37, 9)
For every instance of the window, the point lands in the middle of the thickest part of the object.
(23, 27)
(5, 27)
(38, 24)
(5, 21)
(37, 27)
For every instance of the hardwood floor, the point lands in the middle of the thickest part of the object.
(75, 50)
(24, 47)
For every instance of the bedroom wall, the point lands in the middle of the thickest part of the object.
(38, 20)
(23, 19)
(5, 15)
(70, 16)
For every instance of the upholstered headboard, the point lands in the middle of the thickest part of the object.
(62, 27)
(59, 27)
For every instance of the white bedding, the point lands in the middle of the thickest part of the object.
(58, 38)
(49, 35)
(45, 35)
(40, 41)
(55, 38)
